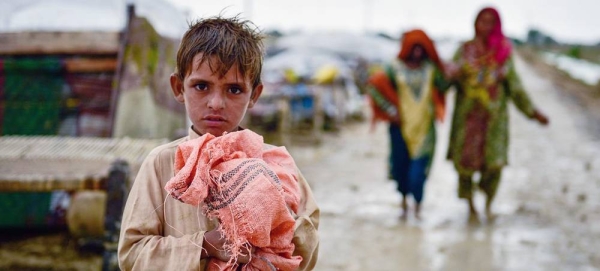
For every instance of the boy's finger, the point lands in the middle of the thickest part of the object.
(246, 255)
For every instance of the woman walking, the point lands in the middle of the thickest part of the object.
(406, 93)
(486, 80)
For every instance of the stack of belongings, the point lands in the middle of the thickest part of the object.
(252, 191)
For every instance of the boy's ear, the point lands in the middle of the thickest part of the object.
(177, 88)
(255, 94)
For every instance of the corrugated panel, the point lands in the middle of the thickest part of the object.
(76, 148)
(43, 43)
(65, 163)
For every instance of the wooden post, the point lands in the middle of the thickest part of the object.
(114, 99)
(319, 113)
(116, 195)
(339, 99)
(283, 127)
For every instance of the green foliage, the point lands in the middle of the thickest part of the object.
(574, 51)
(516, 41)
(537, 37)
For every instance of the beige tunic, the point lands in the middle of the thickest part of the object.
(159, 232)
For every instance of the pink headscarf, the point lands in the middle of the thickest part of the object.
(497, 41)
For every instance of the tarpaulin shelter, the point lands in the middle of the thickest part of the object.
(84, 96)
(96, 69)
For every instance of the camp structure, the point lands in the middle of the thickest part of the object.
(96, 83)
(80, 109)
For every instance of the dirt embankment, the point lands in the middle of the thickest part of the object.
(39, 249)
(585, 95)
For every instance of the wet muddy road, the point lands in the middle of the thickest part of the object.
(548, 204)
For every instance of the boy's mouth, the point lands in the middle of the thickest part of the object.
(214, 119)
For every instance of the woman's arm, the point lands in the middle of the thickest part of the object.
(517, 93)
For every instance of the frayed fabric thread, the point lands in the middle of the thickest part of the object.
(252, 191)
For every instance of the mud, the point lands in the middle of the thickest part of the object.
(547, 208)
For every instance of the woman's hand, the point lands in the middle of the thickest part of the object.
(541, 118)
(213, 246)
(451, 71)
(396, 120)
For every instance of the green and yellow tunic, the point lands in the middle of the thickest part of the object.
(479, 135)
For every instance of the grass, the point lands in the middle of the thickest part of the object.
(589, 53)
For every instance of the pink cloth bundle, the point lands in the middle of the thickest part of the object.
(252, 191)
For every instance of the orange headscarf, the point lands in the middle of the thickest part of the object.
(381, 82)
(419, 37)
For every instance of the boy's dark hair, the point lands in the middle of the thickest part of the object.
(231, 41)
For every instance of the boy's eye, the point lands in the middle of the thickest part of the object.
(201, 86)
(235, 90)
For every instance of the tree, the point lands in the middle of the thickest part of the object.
(537, 37)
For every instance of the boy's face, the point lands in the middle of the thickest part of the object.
(214, 104)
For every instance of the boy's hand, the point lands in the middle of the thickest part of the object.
(213, 247)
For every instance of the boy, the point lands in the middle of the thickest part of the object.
(219, 64)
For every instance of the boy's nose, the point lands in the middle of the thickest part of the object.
(216, 100)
